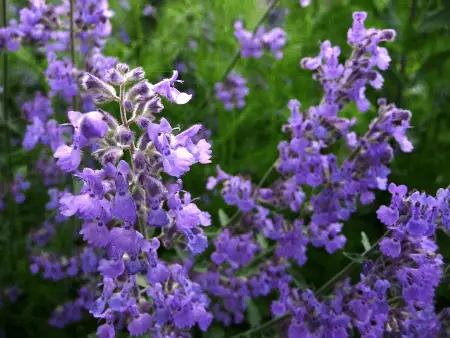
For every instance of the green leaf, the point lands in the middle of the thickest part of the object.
(298, 278)
(141, 281)
(150, 231)
(77, 185)
(214, 331)
(212, 232)
(253, 315)
(23, 170)
(365, 241)
(354, 257)
(262, 241)
(223, 218)
(435, 20)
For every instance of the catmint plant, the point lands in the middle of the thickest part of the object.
(315, 194)
(123, 203)
(114, 175)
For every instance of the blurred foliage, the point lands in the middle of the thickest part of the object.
(244, 141)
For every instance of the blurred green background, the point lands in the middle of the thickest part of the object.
(245, 141)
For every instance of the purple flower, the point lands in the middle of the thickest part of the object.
(111, 268)
(390, 247)
(148, 10)
(387, 215)
(60, 75)
(305, 3)
(92, 125)
(357, 33)
(140, 324)
(33, 134)
(106, 331)
(166, 88)
(95, 233)
(232, 91)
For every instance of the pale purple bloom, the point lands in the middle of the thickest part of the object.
(166, 88)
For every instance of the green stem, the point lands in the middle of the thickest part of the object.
(74, 98)
(6, 112)
(348, 267)
(72, 45)
(123, 116)
(237, 56)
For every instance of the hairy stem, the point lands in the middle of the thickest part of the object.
(123, 114)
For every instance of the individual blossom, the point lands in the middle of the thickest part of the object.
(305, 3)
(149, 10)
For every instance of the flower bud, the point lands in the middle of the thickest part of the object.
(125, 136)
(123, 68)
(139, 91)
(387, 35)
(128, 106)
(143, 122)
(150, 107)
(93, 126)
(135, 74)
(111, 120)
(101, 91)
(114, 77)
(139, 160)
(310, 63)
(113, 155)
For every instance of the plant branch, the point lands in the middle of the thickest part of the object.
(319, 292)
(6, 112)
(72, 45)
(123, 115)
(258, 186)
(237, 56)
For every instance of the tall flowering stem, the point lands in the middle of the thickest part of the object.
(72, 43)
(123, 195)
(6, 111)
(123, 113)
(314, 197)
(237, 56)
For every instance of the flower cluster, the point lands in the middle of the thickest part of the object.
(47, 25)
(142, 233)
(42, 130)
(395, 293)
(254, 44)
(346, 83)
(232, 91)
(12, 293)
(120, 196)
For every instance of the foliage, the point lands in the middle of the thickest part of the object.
(244, 141)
